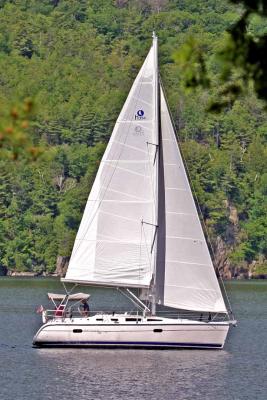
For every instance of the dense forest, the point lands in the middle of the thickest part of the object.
(66, 67)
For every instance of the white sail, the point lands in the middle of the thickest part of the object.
(114, 241)
(190, 281)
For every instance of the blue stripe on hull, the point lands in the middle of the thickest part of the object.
(129, 344)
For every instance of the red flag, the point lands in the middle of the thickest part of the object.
(40, 309)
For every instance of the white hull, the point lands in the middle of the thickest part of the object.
(125, 331)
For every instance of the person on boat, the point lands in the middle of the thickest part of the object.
(84, 308)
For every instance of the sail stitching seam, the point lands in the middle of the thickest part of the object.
(124, 193)
(129, 146)
(187, 262)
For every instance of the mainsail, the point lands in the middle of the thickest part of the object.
(114, 244)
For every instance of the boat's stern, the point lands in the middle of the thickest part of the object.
(38, 337)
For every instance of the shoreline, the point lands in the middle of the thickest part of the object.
(54, 275)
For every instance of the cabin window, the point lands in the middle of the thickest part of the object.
(153, 319)
(133, 319)
(77, 330)
(114, 319)
(157, 330)
(99, 319)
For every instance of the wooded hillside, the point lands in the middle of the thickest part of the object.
(66, 67)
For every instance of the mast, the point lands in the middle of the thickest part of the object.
(156, 173)
(155, 47)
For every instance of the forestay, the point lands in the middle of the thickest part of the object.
(113, 246)
(190, 281)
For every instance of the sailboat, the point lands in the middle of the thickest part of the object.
(141, 233)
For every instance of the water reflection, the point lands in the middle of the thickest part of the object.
(146, 374)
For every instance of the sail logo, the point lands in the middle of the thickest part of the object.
(140, 115)
(138, 131)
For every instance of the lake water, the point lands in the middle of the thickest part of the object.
(237, 372)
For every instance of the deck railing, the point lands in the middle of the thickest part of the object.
(69, 313)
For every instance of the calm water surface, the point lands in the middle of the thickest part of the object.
(237, 372)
